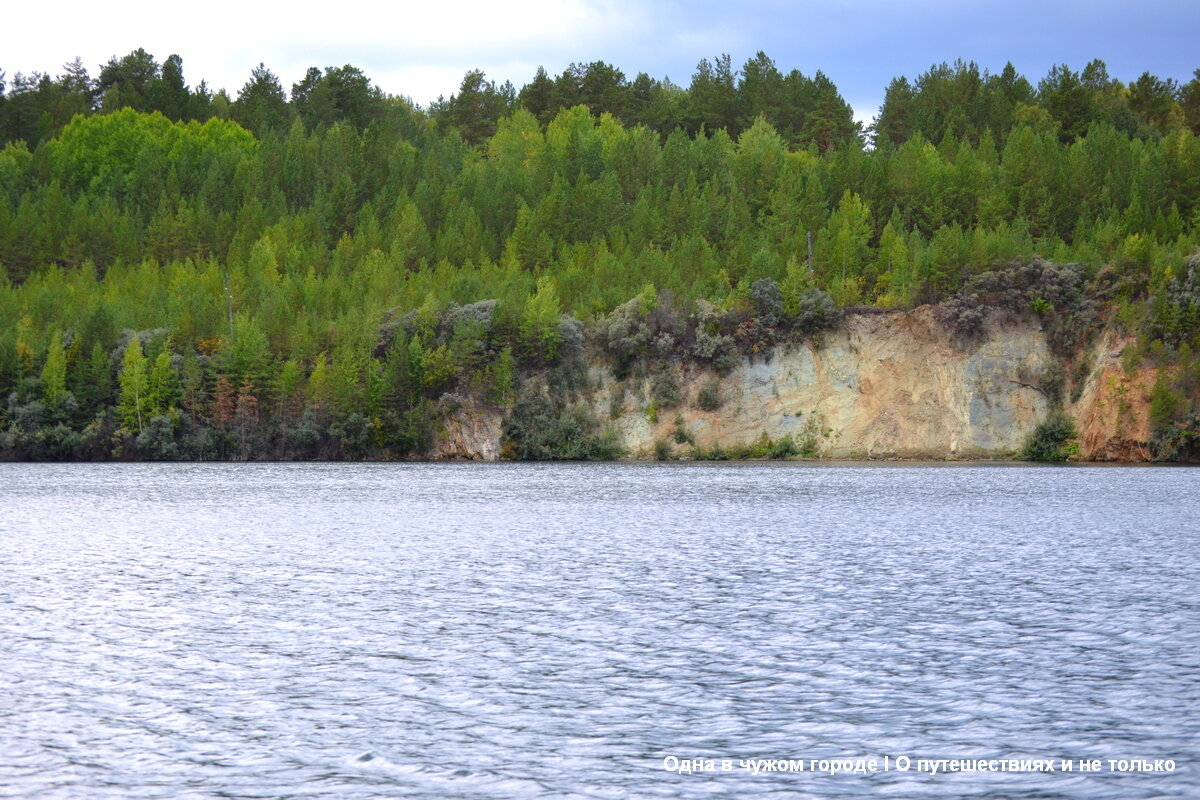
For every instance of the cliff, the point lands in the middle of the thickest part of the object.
(895, 385)
(1112, 413)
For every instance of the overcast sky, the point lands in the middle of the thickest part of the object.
(421, 50)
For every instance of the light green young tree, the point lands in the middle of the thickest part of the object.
(162, 385)
(135, 385)
(539, 324)
(54, 372)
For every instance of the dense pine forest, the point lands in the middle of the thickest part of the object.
(326, 272)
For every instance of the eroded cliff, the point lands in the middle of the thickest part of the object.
(893, 385)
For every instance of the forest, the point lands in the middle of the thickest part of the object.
(327, 271)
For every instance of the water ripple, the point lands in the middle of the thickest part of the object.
(556, 631)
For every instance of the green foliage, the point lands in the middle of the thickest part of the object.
(540, 324)
(1180, 441)
(767, 299)
(115, 153)
(815, 312)
(665, 388)
(54, 373)
(708, 398)
(159, 439)
(1051, 440)
(847, 236)
(714, 342)
(1175, 308)
(162, 385)
(134, 404)
(1051, 383)
(1056, 292)
(541, 430)
(1165, 405)
(502, 379)
(1079, 377)
(762, 448)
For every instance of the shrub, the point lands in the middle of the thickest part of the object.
(665, 389)
(783, 448)
(969, 322)
(767, 299)
(681, 434)
(756, 335)
(1180, 441)
(1055, 292)
(302, 437)
(709, 396)
(665, 347)
(1051, 383)
(624, 335)
(1164, 404)
(616, 401)
(713, 344)
(815, 312)
(570, 336)
(540, 430)
(353, 435)
(1051, 440)
(480, 315)
(1175, 310)
(158, 440)
(764, 447)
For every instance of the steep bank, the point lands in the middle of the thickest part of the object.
(895, 385)
(886, 386)
(1112, 413)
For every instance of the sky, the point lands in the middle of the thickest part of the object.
(421, 50)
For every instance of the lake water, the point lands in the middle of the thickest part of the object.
(558, 631)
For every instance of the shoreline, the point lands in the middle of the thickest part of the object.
(811, 461)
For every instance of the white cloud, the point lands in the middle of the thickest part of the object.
(417, 49)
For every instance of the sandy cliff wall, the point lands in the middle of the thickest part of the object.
(1112, 413)
(893, 385)
(881, 386)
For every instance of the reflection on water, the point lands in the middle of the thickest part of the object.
(512, 631)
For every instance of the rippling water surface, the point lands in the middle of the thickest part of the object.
(557, 631)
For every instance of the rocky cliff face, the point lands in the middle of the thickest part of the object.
(882, 386)
(1112, 413)
(895, 385)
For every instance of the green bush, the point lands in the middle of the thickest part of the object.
(1052, 440)
(665, 388)
(815, 312)
(764, 447)
(1180, 441)
(681, 434)
(1051, 383)
(158, 441)
(540, 430)
(709, 396)
(1164, 404)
